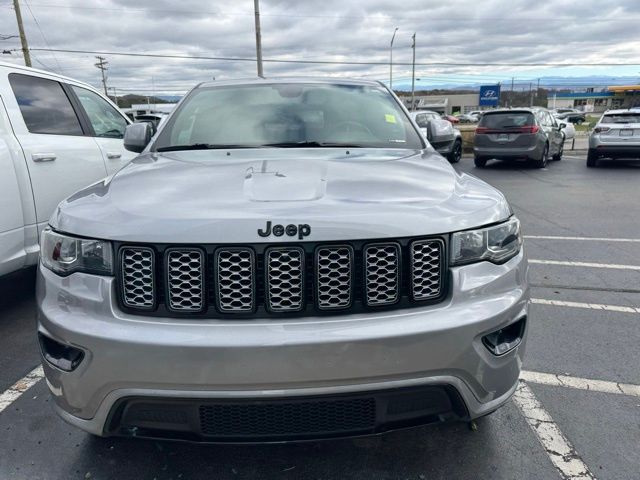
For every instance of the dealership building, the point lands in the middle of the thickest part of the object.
(449, 104)
(590, 100)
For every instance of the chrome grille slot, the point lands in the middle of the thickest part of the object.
(138, 286)
(426, 269)
(285, 279)
(235, 280)
(185, 279)
(334, 269)
(382, 274)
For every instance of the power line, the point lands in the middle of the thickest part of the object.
(344, 62)
(43, 37)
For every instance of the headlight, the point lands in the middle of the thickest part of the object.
(64, 254)
(495, 244)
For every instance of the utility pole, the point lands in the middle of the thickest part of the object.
(256, 4)
(511, 93)
(530, 94)
(413, 74)
(391, 60)
(23, 37)
(103, 65)
(537, 90)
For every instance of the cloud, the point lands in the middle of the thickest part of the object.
(459, 31)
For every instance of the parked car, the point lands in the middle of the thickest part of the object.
(572, 117)
(568, 131)
(616, 135)
(285, 260)
(467, 118)
(450, 118)
(442, 136)
(530, 134)
(57, 135)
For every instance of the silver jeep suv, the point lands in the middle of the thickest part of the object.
(285, 260)
(616, 135)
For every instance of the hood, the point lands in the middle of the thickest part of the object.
(219, 196)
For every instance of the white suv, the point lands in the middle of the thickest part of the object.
(616, 135)
(57, 135)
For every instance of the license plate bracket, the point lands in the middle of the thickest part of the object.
(626, 132)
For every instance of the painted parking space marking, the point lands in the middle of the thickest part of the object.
(612, 266)
(581, 383)
(558, 448)
(591, 306)
(17, 389)
(583, 239)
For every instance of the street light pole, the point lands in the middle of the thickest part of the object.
(391, 60)
(413, 73)
(256, 5)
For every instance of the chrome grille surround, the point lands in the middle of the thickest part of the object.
(235, 280)
(284, 279)
(426, 269)
(334, 277)
(137, 274)
(185, 276)
(382, 273)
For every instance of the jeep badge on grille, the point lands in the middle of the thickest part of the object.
(302, 230)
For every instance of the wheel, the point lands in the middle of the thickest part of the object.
(480, 162)
(544, 159)
(592, 158)
(558, 156)
(456, 152)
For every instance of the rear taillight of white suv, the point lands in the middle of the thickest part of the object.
(601, 129)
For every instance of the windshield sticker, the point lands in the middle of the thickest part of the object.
(390, 118)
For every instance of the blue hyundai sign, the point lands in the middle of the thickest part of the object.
(489, 95)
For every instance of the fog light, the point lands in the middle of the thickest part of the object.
(61, 356)
(506, 339)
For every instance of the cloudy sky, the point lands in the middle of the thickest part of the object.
(452, 32)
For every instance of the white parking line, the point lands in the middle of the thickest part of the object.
(585, 264)
(581, 383)
(17, 389)
(560, 451)
(592, 306)
(583, 239)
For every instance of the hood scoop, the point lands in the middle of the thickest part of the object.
(286, 181)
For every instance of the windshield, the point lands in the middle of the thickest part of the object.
(621, 118)
(507, 120)
(289, 115)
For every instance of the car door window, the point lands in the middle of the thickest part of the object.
(44, 105)
(421, 120)
(105, 120)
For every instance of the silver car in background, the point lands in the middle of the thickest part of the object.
(287, 259)
(440, 133)
(616, 135)
(529, 134)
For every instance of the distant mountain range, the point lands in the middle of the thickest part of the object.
(598, 82)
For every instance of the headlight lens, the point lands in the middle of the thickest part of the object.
(495, 244)
(64, 254)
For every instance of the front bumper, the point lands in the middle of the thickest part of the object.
(134, 357)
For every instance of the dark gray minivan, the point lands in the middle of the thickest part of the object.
(530, 134)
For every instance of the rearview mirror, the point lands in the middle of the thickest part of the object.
(137, 136)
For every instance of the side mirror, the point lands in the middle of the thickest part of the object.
(562, 125)
(428, 131)
(137, 136)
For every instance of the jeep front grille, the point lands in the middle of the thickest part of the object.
(263, 280)
(382, 273)
(334, 270)
(185, 279)
(426, 266)
(136, 268)
(285, 279)
(235, 279)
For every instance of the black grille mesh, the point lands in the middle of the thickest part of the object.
(288, 418)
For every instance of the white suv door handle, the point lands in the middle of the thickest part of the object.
(113, 155)
(43, 157)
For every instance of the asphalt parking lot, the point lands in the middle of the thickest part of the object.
(576, 415)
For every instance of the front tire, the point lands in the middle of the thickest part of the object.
(544, 159)
(558, 156)
(479, 162)
(456, 152)
(592, 158)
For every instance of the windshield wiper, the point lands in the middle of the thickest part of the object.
(312, 144)
(204, 146)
